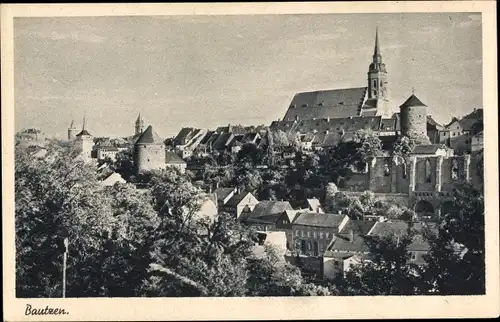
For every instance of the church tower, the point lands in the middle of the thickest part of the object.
(377, 81)
(72, 131)
(139, 125)
(85, 142)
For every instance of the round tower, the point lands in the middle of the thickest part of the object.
(139, 125)
(85, 141)
(414, 120)
(72, 131)
(149, 151)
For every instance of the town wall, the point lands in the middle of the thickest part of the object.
(149, 157)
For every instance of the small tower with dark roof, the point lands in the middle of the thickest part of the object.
(414, 120)
(85, 141)
(149, 151)
(72, 131)
(139, 125)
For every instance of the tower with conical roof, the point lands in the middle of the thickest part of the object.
(377, 80)
(414, 120)
(85, 141)
(139, 125)
(72, 131)
(149, 151)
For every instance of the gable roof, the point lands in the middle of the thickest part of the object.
(268, 207)
(432, 124)
(172, 158)
(468, 122)
(222, 141)
(223, 193)
(427, 148)
(318, 220)
(314, 203)
(183, 136)
(360, 227)
(326, 103)
(149, 136)
(412, 101)
(236, 199)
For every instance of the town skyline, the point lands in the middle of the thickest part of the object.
(237, 70)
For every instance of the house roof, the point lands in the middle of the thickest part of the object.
(206, 137)
(313, 203)
(268, 207)
(223, 193)
(222, 141)
(326, 103)
(285, 126)
(149, 136)
(412, 101)
(268, 219)
(183, 136)
(236, 199)
(318, 220)
(360, 227)
(172, 158)
(427, 148)
(432, 124)
(347, 124)
(468, 122)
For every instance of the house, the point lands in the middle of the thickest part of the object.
(312, 232)
(243, 202)
(224, 194)
(266, 208)
(354, 240)
(460, 131)
(477, 142)
(314, 205)
(208, 207)
(111, 179)
(187, 140)
(174, 161)
(275, 239)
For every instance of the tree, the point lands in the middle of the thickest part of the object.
(456, 262)
(403, 146)
(331, 191)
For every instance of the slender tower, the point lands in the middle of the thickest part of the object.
(377, 80)
(72, 131)
(139, 125)
(85, 141)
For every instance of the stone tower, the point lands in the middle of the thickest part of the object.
(149, 151)
(72, 131)
(377, 81)
(85, 142)
(414, 120)
(139, 125)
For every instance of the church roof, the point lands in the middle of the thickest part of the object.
(326, 103)
(83, 132)
(412, 101)
(149, 136)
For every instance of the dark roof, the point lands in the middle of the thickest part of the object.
(318, 220)
(268, 207)
(285, 126)
(206, 137)
(360, 227)
(427, 148)
(326, 103)
(183, 136)
(412, 101)
(221, 141)
(172, 158)
(432, 124)
(468, 122)
(389, 125)
(149, 136)
(347, 124)
(222, 193)
(236, 199)
(269, 219)
(83, 132)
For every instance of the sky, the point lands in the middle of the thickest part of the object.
(209, 71)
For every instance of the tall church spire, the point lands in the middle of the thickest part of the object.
(84, 119)
(377, 80)
(376, 52)
(139, 125)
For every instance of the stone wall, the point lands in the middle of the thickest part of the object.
(149, 157)
(414, 123)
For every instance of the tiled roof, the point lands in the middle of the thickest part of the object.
(326, 103)
(432, 124)
(183, 136)
(427, 148)
(318, 220)
(468, 122)
(223, 193)
(222, 141)
(268, 207)
(348, 124)
(285, 126)
(206, 137)
(236, 199)
(360, 227)
(172, 158)
(149, 136)
(412, 101)
(269, 219)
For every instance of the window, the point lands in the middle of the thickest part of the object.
(314, 234)
(303, 246)
(321, 235)
(309, 246)
(413, 256)
(327, 235)
(308, 234)
(428, 174)
(387, 171)
(454, 169)
(297, 233)
(303, 233)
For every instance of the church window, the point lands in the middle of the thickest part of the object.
(374, 83)
(428, 174)
(454, 169)
(387, 171)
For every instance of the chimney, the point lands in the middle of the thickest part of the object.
(351, 236)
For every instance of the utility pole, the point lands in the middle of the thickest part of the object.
(65, 258)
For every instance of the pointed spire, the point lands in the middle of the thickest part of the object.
(71, 126)
(84, 120)
(376, 52)
(139, 119)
